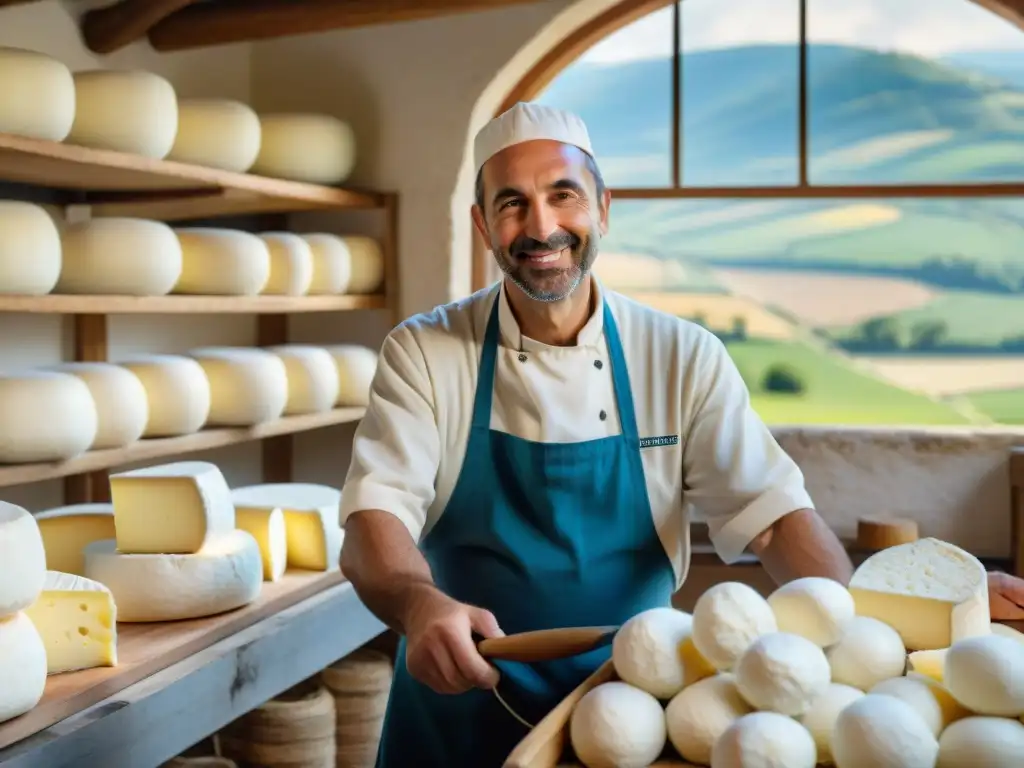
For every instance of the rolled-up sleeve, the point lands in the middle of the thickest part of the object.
(396, 448)
(737, 478)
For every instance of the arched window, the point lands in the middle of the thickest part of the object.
(835, 188)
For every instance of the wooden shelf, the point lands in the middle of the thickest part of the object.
(173, 305)
(122, 184)
(146, 450)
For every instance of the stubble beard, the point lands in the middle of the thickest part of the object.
(550, 285)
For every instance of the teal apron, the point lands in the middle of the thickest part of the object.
(543, 535)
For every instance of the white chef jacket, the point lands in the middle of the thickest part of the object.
(707, 455)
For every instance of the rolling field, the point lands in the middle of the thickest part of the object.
(1003, 406)
(719, 312)
(635, 271)
(941, 376)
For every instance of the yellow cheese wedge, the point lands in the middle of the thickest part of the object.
(77, 620)
(695, 665)
(268, 528)
(68, 530)
(928, 663)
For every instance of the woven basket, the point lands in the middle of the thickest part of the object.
(293, 730)
(360, 684)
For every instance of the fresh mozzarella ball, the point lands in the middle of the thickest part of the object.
(646, 651)
(727, 619)
(982, 742)
(868, 652)
(816, 608)
(821, 718)
(782, 673)
(617, 726)
(986, 675)
(930, 700)
(764, 740)
(701, 713)
(879, 731)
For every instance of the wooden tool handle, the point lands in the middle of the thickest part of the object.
(874, 534)
(544, 644)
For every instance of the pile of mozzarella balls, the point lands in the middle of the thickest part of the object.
(795, 681)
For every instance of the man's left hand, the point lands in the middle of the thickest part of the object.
(1005, 597)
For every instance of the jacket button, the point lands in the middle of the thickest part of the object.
(598, 364)
(522, 358)
(602, 415)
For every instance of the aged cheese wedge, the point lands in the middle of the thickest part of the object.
(267, 526)
(928, 663)
(22, 666)
(77, 619)
(226, 574)
(22, 559)
(171, 508)
(66, 531)
(310, 516)
(931, 592)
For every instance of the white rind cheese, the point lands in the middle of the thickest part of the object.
(332, 264)
(216, 133)
(247, 386)
(177, 393)
(66, 532)
(122, 409)
(313, 384)
(45, 416)
(320, 149)
(77, 619)
(291, 264)
(22, 666)
(226, 574)
(931, 592)
(357, 365)
(366, 260)
(171, 508)
(877, 731)
(222, 262)
(267, 526)
(617, 725)
(39, 96)
(30, 252)
(22, 559)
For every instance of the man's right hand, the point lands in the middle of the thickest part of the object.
(440, 650)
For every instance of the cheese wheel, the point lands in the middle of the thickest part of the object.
(22, 666)
(332, 263)
(267, 526)
(222, 262)
(356, 366)
(77, 619)
(22, 559)
(929, 699)
(764, 740)
(291, 264)
(225, 574)
(699, 714)
(313, 384)
(66, 531)
(868, 652)
(986, 675)
(217, 133)
(820, 719)
(177, 393)
(617, 726)
(116, 256)
(366, 273)
(304, 147)
(122, 409)
(30, 254)
(815, 608)
(982, 742)
(247, 386)
(39, 96)
(727, 618)
(878, 731)
(45, 416)
(128, 111)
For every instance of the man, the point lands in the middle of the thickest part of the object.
(530, 454)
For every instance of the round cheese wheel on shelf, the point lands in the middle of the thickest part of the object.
(367, 265)
(39, 95)
(124, 110)
(320, 149)
(177, 393)
(225, 574)
(291, 264)
(117, 256)
(45, 416)
(699, 714)
(357, 366)
(22, 666)
(312, 378)
(764, 740)
(616, 725)
(332, 263)
(122, 409)
(222, 262)
(247, 386)
(22, 559)
(216, 133)
(30, 253)
(877, 731)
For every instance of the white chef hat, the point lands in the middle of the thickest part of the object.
(528, 121)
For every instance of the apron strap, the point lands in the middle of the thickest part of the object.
(488, 362)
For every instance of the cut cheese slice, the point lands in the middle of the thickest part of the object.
(311, 519)
(22, 559)
(247, 386)
(226, 574)
(171, 508)
(45, 416)
(77, 619)
(66, 531)
(313, 383)
(931, 592)
(22, 666)
(122, 409)
(30, 255)
(177, 393)
(357, 366)
(268, 528)
(291, 264)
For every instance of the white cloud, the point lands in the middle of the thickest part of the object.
(924, 27)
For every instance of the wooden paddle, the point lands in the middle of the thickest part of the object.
(546, 644)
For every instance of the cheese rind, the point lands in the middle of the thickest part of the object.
(22, 666)
(122, 409)
(67, 531)
(931, 592)
(222, 262)
(247, 386)
(22, 559)
(217, 133)
(305, 147)
(226, 574)
(70, 422)
(170, 508)
(267, 526)
(357, 365)
(366, 274)
(313, 383)
(27, 229)
(291, 264)
(332, 264)
(77, 619)
(177, 393)
(39, 95)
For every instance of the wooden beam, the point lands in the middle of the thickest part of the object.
(107, 29)
(15, 2)
(231, 21)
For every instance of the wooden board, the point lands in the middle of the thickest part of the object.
(158, 448)
(173, 305)
(144, 649)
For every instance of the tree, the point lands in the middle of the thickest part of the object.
(739, 328)
(784, 379)
(880, 333)
(928, 334)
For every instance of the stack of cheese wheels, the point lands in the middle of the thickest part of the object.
(70, 425)
(306, 147)
(222, 262)
(313, 383)
(122, 409)
(296, 525)
(360, 684)
(39, 96)
(815, 674)
(345, 264)
(67, 531)
(293, 730)
(176, 552)
(30, 248)
(177, 393)
(357, 366)
(247, 386)
(22, 574)
(217, 133)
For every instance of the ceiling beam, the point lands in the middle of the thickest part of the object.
(15, 2)
(231, 21)
(107, 29)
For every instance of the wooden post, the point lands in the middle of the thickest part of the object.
(1017, 509)
(91, 346)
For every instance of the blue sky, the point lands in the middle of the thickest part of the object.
(924, 27)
